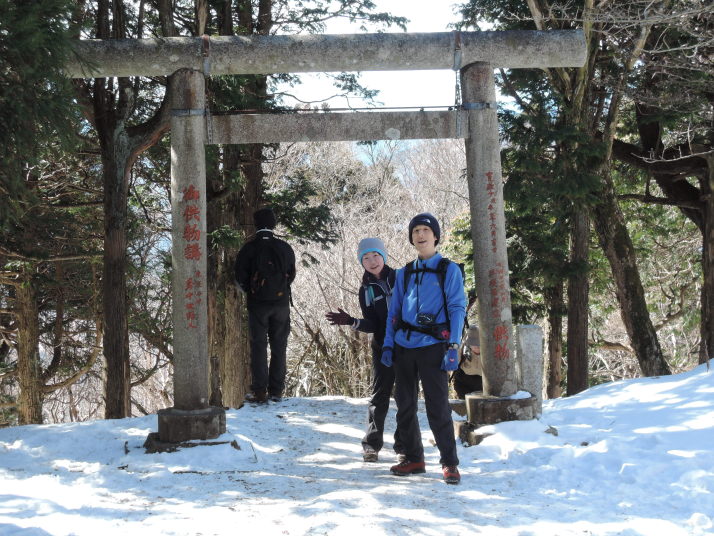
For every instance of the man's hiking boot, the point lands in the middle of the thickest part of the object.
(451, 474)
(401, 457)
(370, 455)
(257, 397)
(408, 468)
(275, 398)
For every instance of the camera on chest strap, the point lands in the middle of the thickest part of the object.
(426, 319)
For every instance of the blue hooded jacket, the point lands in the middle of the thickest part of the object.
(423, 295)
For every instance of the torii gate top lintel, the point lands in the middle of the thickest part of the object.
(221, 55)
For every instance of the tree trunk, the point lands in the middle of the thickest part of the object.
(228, 340)
(706, 348)
(58, 332)
(108, 103)
(228, 333)
(698, 206)
(617, 246)
(5, 325)
(116, 160)
(555, 306)
(578, 296)
(227, 320)
(28, 353)
(234, 348)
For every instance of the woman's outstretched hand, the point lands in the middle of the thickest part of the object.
(340, 318)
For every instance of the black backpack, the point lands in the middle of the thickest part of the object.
(269, 278)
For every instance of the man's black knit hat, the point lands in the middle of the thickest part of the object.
(264, 218)
(428, 219)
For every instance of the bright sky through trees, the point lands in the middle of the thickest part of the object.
(397, 88)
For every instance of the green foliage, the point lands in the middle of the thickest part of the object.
(549, 163)
(459, 248)
(233, 92)
(225, 237)
(348, 83)
(297, 208)
(61, 217)
(310, 15)
(35, 98)
(148, 266)
(508, 14)
(549, 166)
(553, 148)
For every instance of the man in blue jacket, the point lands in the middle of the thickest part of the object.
(424, 328)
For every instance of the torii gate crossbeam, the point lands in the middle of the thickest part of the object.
(330, 126)
(218, 55)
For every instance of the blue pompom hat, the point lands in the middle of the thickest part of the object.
(367, 245)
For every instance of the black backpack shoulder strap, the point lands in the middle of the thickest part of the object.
(408, 270)
(443, 266)
(441, 269)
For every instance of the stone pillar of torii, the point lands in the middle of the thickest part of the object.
(509, 364)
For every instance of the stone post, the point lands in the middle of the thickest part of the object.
(488, 229)
(188, 231)
(529, 362)
(191, 417)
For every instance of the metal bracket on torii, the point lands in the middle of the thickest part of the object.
(474, 55)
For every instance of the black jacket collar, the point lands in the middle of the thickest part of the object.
(264, 233)
(387, 274)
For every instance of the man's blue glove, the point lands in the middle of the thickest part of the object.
(387, 356)
(451, 360)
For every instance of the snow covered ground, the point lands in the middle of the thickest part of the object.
(628, 458)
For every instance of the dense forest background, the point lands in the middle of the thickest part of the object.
(608, 170)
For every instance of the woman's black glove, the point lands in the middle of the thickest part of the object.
(340, 318)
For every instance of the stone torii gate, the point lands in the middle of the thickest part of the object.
(192, 59)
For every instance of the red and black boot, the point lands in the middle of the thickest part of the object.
(408, 468)
(451, 474)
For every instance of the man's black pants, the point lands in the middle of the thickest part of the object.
(268, 324)
(411, 365)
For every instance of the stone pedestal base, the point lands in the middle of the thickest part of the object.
(177, 425)
(483, 409)
(154, 444)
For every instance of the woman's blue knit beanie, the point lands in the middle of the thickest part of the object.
(371, 244)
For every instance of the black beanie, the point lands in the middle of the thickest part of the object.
(264, 218)
(428, 219)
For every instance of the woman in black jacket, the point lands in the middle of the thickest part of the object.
(374, 297)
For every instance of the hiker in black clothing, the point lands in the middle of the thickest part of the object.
(374, 297)
(264, 270)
